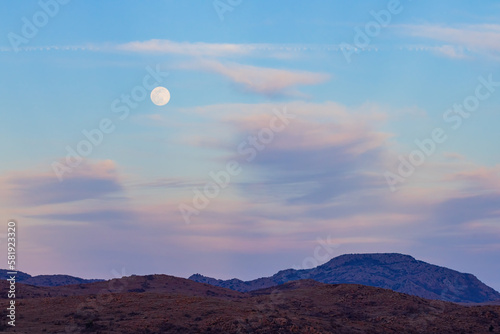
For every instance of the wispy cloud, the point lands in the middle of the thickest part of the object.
(328, 150)
(449, 51)
(170, 183)
(218, 50)
(193, 49)
(187, 48)
(90, 181)
(325, 158)
(108, 217)
(460, 210)
(477, 177)
(327, 165)
(484, 38)
(261, 80)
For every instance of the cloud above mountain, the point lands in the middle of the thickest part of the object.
(88, 181)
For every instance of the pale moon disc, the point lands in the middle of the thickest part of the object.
(160, 96)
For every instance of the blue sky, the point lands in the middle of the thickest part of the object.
(324, 175)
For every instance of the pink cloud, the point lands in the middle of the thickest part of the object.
(479, 38)
(479, 177)
(33, 188)
(261, 80)
(186, 48)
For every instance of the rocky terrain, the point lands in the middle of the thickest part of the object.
(398, 272)
(166, 304)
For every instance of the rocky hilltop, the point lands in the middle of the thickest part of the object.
(398, 272)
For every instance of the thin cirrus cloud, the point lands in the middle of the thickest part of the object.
(216, 50)
(261, 80)
(470, 208)
(472, 194)
(449, 51)
(483, 38)
(255, 79)
(117, 218)
(198, 49)
(87, 181)
(331, 156)
(326, 151)
(479, 198)
(478, 177)
(323, 160)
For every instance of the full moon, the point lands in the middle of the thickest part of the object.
(160, 96)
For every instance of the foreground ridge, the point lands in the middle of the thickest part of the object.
(167, 304)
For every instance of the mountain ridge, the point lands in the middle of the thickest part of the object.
(46, 280)
(394, 271)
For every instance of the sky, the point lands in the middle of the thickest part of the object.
(294, 133)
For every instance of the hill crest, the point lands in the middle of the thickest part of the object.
(394, 271)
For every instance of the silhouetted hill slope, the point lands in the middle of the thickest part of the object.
(174, 305)
(398, 272)
(151, 283)
(46, 280)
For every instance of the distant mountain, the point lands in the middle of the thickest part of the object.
(398, 272)
(46, 280)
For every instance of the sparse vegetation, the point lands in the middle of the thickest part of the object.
(175, 305)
